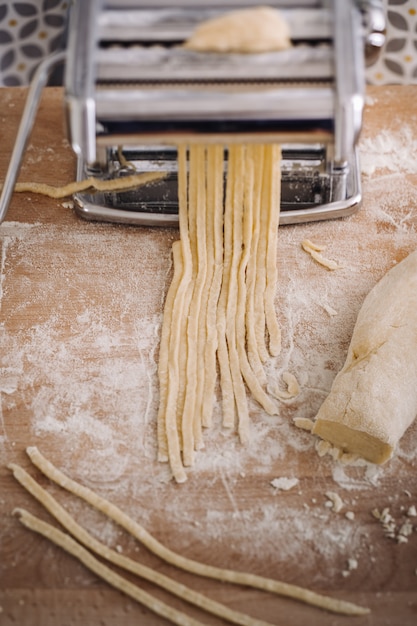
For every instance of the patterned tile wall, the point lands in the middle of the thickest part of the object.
(398, 62)
(31, 30)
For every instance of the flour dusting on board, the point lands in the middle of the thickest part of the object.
(390, 151)
(85, 375)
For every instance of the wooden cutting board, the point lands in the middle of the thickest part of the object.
(81, 307)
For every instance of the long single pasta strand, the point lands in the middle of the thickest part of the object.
(202, 209)
(184, 415)
(254, 356)
(226, 382)
(163, 361)
(203, 331)
(209, 571)
(122, 183)
(71, 546)
(207, 248)
(233, 214)
(186, 210)
(191, 421)
(260, 283)
(273, 190)
(215, 166)
(179, 310)
(102, 550)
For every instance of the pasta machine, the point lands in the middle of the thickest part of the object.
(132, 91)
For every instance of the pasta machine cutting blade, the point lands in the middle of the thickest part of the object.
(132, 92)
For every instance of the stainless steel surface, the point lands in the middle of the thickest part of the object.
(149, 90)
(120, 92)
(80, 78)
(158, 64)
(223, 4)
(273, 104)
(175, 24)
(350, 79)
(308, 192)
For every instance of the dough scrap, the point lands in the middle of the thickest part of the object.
(334, 500)
(373, 399)
(254, 30)
(283, 483)
(292, 390)
(304, 423)
(315, 250)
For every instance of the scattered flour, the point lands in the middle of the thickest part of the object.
(284, 483)
(81, 370)
(389, 151)
(370, 101)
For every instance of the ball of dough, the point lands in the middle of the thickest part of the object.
(260, 29)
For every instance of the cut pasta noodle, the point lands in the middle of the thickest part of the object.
(255, 353)
(176, 320)
(273, 203)
(260, 276)
(115, 580)
(233, 221)
(85, 538)
(226, 381)
(223, 306)
(189, 565)
(163, 352)
(191, 418)
(121, 183)
(214, 231)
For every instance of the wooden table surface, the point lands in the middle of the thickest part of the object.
(81, 307)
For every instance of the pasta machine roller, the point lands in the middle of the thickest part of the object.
(132, 92)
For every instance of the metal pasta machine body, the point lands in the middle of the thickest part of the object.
(132, 91)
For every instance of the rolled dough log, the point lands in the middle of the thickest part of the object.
(260, 29)
(373, 399)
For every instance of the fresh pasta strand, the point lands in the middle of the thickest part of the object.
(253, 382)
(256, 351)
(189, 212)
(123, 161)
(102, 550)
(163, 361)
(273, 191)
(122, 183)
(214, 230)
(187, 222)
(224, 307)
(209, 571)
(233, 215)
(226, 380)
(191, 419)
(260, 281)
(179, 310)
(206, 264)
(71, 546)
